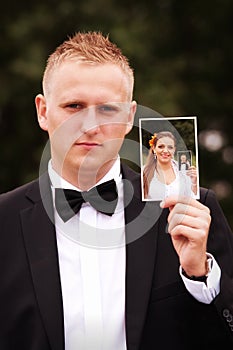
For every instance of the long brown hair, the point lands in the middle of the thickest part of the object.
(151, 161)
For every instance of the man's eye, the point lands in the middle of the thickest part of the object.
(74, 106)
(107, 109)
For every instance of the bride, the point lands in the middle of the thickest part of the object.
(161, 176)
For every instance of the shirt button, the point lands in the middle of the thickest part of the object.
(226, 312)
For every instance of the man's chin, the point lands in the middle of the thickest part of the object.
(88, 164)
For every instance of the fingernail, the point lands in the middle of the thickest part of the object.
(162, 204)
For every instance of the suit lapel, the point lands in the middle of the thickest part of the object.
(40, 243)
(141, 235)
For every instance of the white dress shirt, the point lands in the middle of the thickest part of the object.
(91, 251)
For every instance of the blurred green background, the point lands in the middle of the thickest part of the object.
(181, 52)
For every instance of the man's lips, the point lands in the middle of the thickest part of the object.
(87, 144)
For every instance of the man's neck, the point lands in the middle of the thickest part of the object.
(86, 178)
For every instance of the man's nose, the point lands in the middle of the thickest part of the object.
(90, 120)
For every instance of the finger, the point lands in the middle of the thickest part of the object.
(190, 210)
(171, 201)
(190, 171)
(198, 222)
(188, 215)
(197, 237)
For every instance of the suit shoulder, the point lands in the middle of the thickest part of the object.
(17, 194)
(209, 199)
(203, 194)
(128, 172)
(207, 196)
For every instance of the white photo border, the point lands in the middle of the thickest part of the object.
(168, 120)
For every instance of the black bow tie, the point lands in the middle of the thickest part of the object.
(102, 197)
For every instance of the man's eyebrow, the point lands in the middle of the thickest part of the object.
(73, 101)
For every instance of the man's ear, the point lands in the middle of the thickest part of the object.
(41, 109)
(133, 108)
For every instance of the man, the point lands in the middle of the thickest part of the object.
(184, 163)
(115, 273)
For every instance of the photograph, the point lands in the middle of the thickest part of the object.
(169, 157)
(108, 242)
(184, 159)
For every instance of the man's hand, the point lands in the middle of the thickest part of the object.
(189, 223)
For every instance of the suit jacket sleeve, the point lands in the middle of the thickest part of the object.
(220, 244)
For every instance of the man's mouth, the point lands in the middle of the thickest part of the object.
(87, 145)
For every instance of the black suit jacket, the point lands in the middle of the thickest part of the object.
(160, 313)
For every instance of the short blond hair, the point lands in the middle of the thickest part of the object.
(89, 47)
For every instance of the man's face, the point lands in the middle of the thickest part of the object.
(87, 114)
(183, 158)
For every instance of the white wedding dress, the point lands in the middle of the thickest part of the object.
(181, 186)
